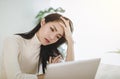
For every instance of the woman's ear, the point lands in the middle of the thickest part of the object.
(42, 21)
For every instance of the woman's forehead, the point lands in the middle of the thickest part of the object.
(59, 23)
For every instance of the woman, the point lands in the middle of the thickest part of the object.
(26, 54)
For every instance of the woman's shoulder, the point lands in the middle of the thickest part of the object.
(13, 38)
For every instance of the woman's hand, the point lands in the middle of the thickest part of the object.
(66, 27)
(51, 60)
(57, 59)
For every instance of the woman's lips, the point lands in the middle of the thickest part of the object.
(47, 40)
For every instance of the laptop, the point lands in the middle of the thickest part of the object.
(81, 69)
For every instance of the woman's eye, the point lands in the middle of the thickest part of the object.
(58, 37)
(52, 29)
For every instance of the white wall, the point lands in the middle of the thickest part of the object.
(96, 23)
(18, 16)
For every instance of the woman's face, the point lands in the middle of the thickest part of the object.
(50, 32)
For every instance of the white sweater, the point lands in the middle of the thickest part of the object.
(20, 58)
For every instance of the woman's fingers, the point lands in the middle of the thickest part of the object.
(55, 59)
(66, 22)
(66, 27)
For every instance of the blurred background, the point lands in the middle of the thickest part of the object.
(96, 23)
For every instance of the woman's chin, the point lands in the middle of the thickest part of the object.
(44, 44)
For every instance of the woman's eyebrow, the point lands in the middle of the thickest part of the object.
(55, 28)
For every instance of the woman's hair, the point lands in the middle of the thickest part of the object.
(48, 50)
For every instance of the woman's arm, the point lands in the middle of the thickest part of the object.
(69, 39)
(10, 61)
(70, 50)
